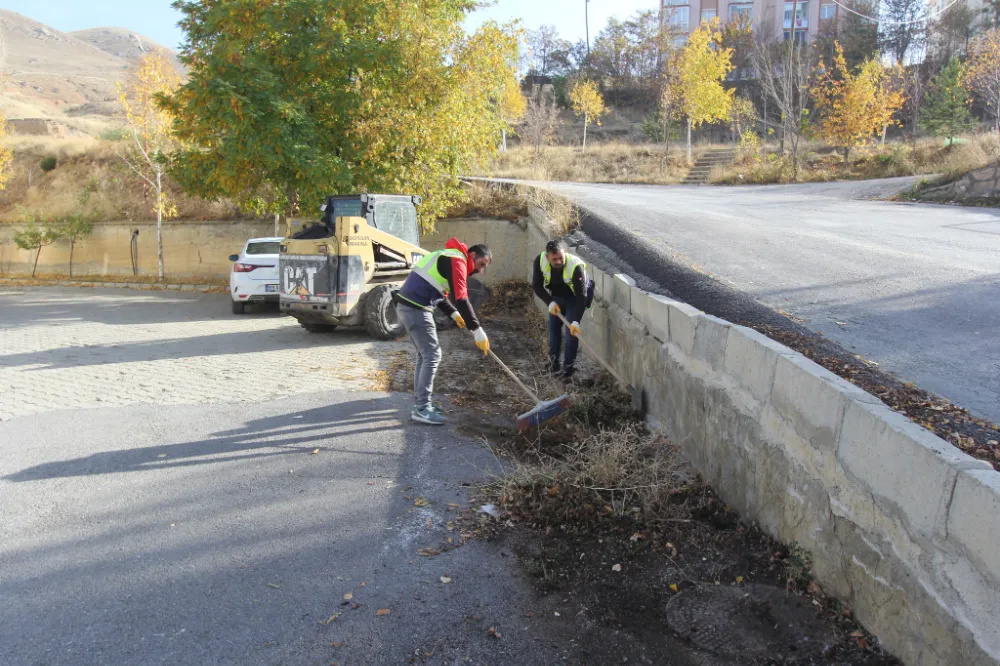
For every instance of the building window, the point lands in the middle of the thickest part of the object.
(674, 3)
(828, 12)
(800, 36)
(707, 15)
(801, 9)
(680, 18)
(740, 11)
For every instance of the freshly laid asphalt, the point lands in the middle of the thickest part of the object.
(912, 287)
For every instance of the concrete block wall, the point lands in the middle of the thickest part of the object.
(902, 526)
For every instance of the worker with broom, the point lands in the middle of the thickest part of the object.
(434, 278)
(559, 279)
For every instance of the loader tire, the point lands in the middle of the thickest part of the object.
(317, 328)
(381, 320)
(442, 321)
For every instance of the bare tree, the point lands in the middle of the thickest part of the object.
(785, 74)
(902, 28)
(543, 45)
(540, 119)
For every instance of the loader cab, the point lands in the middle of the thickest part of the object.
(394, 215)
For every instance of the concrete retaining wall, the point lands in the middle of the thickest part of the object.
(202, 249)
(901, 526)
(190, 250)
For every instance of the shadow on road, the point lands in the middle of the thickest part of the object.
(262, 438)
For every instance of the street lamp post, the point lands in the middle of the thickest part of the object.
(586, 18)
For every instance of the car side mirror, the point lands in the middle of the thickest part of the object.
(234, 257)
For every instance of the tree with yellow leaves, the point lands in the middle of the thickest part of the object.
(318, 97)
(983, 71)
(587, 102)
(150, 130)
(6, 154)
(513, 106)
(854, 106)
(701, 68)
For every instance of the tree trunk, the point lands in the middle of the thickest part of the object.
(847, 155)
(586, 121)
(277, 219)
(159, 223)
(72, 245)
(689, 140)
(503, 146)
(35, 267)
(885, 130)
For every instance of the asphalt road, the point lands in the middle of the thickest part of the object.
(175, 488)
(913, 287)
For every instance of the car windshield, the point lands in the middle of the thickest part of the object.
(270, 247)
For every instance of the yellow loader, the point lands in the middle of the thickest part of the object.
(344, 270)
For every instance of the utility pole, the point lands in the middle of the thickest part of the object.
(586, 19)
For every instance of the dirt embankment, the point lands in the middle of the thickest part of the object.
(616, 531)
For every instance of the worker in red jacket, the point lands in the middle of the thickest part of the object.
(434, 279)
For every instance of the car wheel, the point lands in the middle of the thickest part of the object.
(317, 328)
(381, 320)
(239, 307)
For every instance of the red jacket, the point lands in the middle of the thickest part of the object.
(457, 271)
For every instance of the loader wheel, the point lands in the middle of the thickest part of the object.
(381, 320)
(317, 328)
(442, 321)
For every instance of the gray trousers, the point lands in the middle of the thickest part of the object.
(420, 327)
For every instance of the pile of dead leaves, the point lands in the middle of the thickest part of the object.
(977, 437)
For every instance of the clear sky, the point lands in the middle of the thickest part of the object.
(157, 20)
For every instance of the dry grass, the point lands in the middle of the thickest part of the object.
(489, 201)
(89, 178)
(617, 473)
(602, 163)
(823, 164)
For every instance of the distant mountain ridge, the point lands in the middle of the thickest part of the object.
(66, 77)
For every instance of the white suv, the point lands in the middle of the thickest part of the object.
(254, 276)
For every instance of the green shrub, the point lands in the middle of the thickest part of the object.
(48, 163)
(114, 134)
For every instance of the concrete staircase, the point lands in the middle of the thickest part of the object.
(702, 169)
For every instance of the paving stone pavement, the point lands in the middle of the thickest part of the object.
(66, 348)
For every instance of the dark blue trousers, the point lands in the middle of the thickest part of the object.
(556, 328)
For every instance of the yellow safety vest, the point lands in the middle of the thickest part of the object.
(569, 268)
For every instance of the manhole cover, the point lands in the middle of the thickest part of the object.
(750, 622)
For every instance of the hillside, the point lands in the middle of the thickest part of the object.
(122, 43)
(64, 77)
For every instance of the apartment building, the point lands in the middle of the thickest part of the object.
(812, 17)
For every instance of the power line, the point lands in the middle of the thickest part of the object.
(875, 19)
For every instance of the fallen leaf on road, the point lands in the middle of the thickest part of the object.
(274, 585)
(492, 631)
(616, 568)
(635, 537)
(673, 587)
(445, 580)
(162, 455)
(557, 614)
(348, 596)
(739, 579)
(371, 483)
(428, 552)
(337, 644)
(383, 611)
(420, 501)
(364, 584)
(315, 451)
(355, 606)
(330, 619)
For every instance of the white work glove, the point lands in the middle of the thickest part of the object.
(482, 341)
(459, 320)
(574, 329)
(554, 309)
